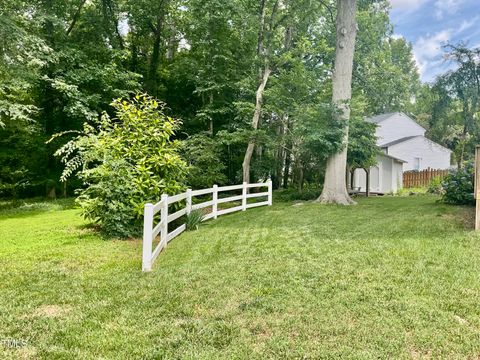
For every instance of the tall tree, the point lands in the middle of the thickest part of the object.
(264, 72)
(453, 103)
(335, 187)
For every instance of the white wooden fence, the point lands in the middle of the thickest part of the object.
(150, 232)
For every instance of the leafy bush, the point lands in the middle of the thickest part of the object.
(458, 186)
(125, 162)
(293, 194)
(435, 186)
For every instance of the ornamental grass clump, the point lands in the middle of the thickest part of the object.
(194, 219)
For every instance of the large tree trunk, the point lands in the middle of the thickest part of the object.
(255, 120)
(263, 75)
(335, 188)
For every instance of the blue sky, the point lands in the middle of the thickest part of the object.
(428, 24)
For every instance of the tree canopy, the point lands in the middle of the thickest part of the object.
(62, 62)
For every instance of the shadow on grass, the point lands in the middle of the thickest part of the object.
(29, 207)
(92, 228)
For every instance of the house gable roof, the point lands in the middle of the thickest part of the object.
(377, 119)
(408, 138)
(398, 141)
(394, 158)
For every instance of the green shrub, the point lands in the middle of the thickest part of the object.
(125, 162)
(293, 194)
(435, 186)
(458, 186)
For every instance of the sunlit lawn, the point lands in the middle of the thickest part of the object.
(389, 278)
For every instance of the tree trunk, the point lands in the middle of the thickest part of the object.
(280, 154)
(256, 118)
(288, 154)
(210, 123)
(134, 52)
(367, 182)
(110, 24)
(76, 16)
(154, 60)
(334, 187)
(286, 171)
(262, 81)
(300, 176)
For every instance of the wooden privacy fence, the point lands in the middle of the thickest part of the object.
(421, 178)
(150, 232)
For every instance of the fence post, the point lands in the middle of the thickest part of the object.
(244, 196)
(164, 220)
(269, 184)
(215, 200)
(476, 189)
(147, 237)
(188, 206)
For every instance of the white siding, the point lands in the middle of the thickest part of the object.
(396, 127)
(397, 176)
(429, 154)
(385, 177)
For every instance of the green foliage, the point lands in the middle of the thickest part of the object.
(202, 154)
(125, 162)
(62, 63)
(362, 144)
(385, 73)
(59, 68)
(194, 219)
(458, 186)
(435, 186)
(450, 107)
(295, 194)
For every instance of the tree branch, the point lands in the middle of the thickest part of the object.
(76, 16)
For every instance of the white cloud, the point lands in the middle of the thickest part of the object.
(467, 24)
(428, 49)
(406, 4)
(446, 7)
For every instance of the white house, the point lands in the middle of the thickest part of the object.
(404, 147)
(385, 177)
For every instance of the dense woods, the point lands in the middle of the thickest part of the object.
(250, 80)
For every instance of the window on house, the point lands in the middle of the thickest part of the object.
(417, 163)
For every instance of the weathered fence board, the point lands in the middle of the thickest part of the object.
(151, 231)
(422, 178)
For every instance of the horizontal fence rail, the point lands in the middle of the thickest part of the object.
(422, 178)
(151, 231)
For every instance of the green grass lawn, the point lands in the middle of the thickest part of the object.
(389, 278)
